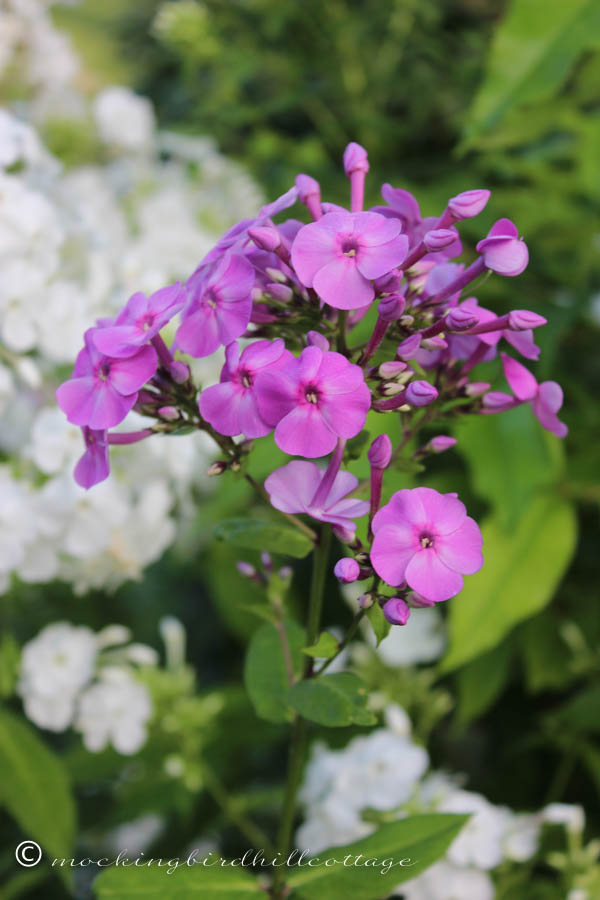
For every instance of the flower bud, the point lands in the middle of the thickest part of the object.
(439, 238)
(392, 388)
(355, 159)
(366, 601)
(396, 611)
(408, 347)
(282, 292)
(468, 204)
(420, 393)
(440, 443)
(285, 573)
(476, 388)
(217, 468)
(389, 370)
(169, 413)
(498, 401)
(460, 318)
(391, 307)
(276, 275)
(266, 238)
(316, 339)
(407, 321)
(346, 570)
(307, 187)
(245, 569)
(523, 320)
(389, 283)
(266, 561)
(436, 342)
(417, 601)
(179, 372)
(380, 452)
(344, 534)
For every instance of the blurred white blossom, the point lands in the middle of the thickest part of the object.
(115, 710)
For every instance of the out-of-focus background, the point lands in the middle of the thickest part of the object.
(131, 136)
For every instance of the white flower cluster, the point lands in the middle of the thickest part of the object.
(71, 676)
(74, 244)
(386, 771)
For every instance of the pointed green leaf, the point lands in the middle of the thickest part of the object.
(412, 845)
(380, 625)
(152, 883)
(325, 648)
(333, 700)
(266, 670)
(255, 534)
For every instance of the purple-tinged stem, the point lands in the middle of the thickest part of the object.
(381, 326)
(476, 269)
(390, 402)
(357, 190)
(474, 358)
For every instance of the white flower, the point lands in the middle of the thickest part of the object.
(124, 119)
(444, 881)
(135, 836)
(55, 665)
(480, 841)
(570, 815)
(115, 710)
(522, 837)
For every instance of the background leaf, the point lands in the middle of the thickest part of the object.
(520, 574)
(254, 534)
(333, 700)
(207, 883)
(265, 672)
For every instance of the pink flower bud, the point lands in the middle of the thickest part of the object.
(441, 442)
(266, 561)
(476, 388)
(408, 347)
(245, 569)
(498, 401)
(265, 238)
(179, 372)
(468, 204)
(502, 250)
(346, 570)
(365, 601)
(420, 393)
(169, 413)
(396, 611)
(344, 534)
(434, 343)
(380, 452)
(391, 307)
(217, 468)
(355, 159)
(391, 370)
(523, 320)
(439, 238)
(307, 187)
(316, 339)
(459, 318)
(389, 283)
(281, 292)
(417, 601)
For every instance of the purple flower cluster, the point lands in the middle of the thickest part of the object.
(285, 300)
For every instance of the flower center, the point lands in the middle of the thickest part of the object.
(426, 540)
(246, 379)
(311, 393)
(211, 299)
(104, 371)
(349, 248)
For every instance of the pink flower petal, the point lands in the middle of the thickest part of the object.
(276, 394)
(263, 353)
(198, 335)
(292, 487)
(341, 285)
(461, 550)
(393, 548)
(427, 575)
(313, 247)
(251, 423)
(346, 414)
(129, 375)
(220, 406)
(304, 433)
(373, 229)
(522, 383)
(445, 512)
(375, 261)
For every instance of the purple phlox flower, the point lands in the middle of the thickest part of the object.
(396, 611)
(293, 488)
(546, 398)
(219, 308)
(103, 390)
(502, 250)
(312, 401)
(93, 466)
(340, 254)
(426, 539)
(231, 407)
(139, 321)
(346, 570)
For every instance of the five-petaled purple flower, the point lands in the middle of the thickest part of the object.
(139, 321)
(231, 407)
(295, 489)
(103, 390)
(313, 400)
(340, 254)
(546, 398)
(219, 307)
(426, 539)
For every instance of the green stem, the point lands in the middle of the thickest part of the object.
(341, 335)
(299, 735)
(233, 813)
(352, 629)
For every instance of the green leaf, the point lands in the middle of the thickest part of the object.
(546, 658)
(205, 882)
(10, 654)
(325, 648)
(34, 787)
(581, 713)
(417, 842)
(482, 680)
(510, 458)
(265, 671)
(380, 625)
(520, 574)
(262, 610)
(255, 534)
(333, 700)
(531, 55)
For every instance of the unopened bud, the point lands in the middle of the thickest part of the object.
(276, 275)
(390, 370)
(436, 342)
(344, 534)
(245, 569)
(391, 307)
(407, 321)
(307, 187)
(440, 443)
(285, 573)
(476, 388)
(217, 468)
(389, 284)
(417, 601)
(346, 570)
(396, 611)
(468, 204)
(408, 347)
(439, 238)
(169, 413)
(392, 389)
(355, 159)
(282, 292)
(421, 393)
(380, 452)
(362, 558)
(523, 320)
(316, 339)
(366, 601)
(460, 318)
(266, 561)
(179, 372)
(266, 238)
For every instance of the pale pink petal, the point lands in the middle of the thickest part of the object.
(304, 433)
(110, 407)
(346, 414)
(393, 548)
(262, 353)
(251, 423)
(338, 376)
(198, 335)
(427, 575)
(309, 364)
(375, 261)
(545, 406)
(233, 318)
(76, 398)
(523, 342)
(344, 484)
(292, 487)
(350, 508)
(502, 228)
(314, 246)
(220, 406)
(341, 285)
(129, 375)
(445, 512)
(461, 550)
(373, 229)
(522, 383)
(276, 394)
